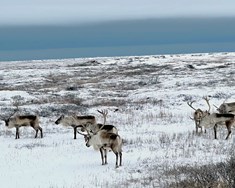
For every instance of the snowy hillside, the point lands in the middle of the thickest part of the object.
(153, 118)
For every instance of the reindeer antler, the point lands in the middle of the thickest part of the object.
(191, 118)
(104, 113)
(83, 133)
(191, 104)
(217, 108)
(85, 130)
(207, 101)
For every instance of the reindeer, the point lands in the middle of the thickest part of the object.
(102, 140)
(23, 120)
(216, 119)
(198, 113)
(226, 108)
(76, 122)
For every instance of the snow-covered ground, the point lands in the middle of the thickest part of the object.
(153, 118)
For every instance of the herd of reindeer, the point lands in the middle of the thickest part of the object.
(105, 137)
(101, 136)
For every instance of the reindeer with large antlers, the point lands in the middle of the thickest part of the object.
(225, 116)
(198, 113)
(103, 140)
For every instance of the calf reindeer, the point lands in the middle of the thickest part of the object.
(76, 122)
(216, 119)
(103, 140)
(198, 113)
(20, 121)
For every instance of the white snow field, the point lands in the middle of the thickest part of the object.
(153, 118)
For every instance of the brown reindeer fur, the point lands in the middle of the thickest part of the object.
(24, 120)
(76, 122)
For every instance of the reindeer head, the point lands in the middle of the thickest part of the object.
(8, 118)
(87, 140)
(198, 113)
(7, 122)
(222, 108)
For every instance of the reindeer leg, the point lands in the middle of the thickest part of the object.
(120, 155)
(17, 133)
(201, 129)
(105, 156)
(75, 132)
(196, 127)
(215, 131)
(116, 153)
(40, 128)
(228, 125)
(36, 135)
(102, 155)
(17, 130)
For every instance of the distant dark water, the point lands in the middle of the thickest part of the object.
(121, 38)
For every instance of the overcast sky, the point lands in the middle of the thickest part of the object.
(37, 12)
